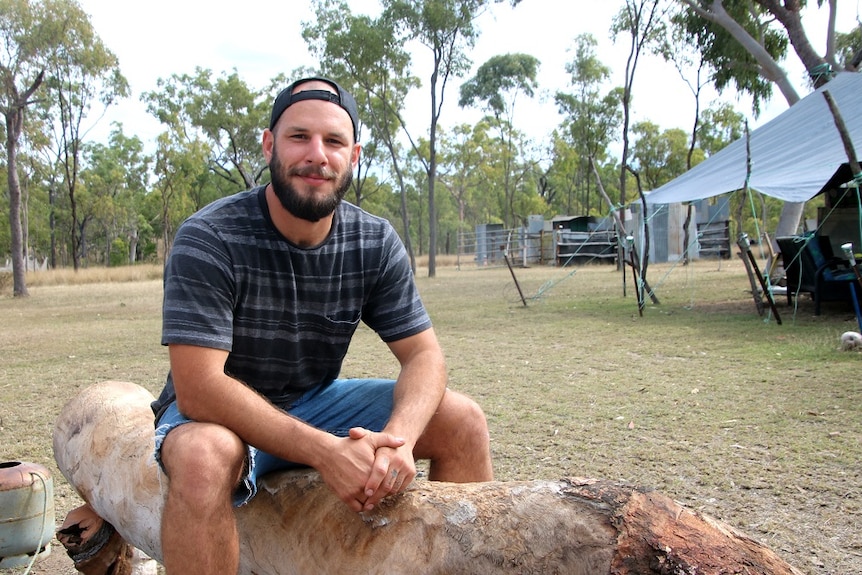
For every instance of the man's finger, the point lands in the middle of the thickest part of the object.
(378, 439)
(377, 477)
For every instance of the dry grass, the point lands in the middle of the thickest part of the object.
(756, 423)
(98, 275)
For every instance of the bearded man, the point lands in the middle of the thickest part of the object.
(263, 291)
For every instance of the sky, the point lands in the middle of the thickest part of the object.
(262, 38)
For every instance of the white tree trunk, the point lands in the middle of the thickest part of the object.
(295, 525)
(791, 212)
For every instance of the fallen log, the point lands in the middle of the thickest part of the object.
(103, 446)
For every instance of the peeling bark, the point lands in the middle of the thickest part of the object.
(295, 525)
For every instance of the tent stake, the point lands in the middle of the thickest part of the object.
(511, 271)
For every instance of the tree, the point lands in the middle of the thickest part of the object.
(117, 180)
(461, 167)
(181, 168)
(82, 72)
(30, 36)
(381, 67)
(660, 156)
(368, 56)
(642, 20)
(751, 60)
(224, 112)
(720, 126)
(446, 28)
(561, 179)
(591, 119)
(496, 85)
(849, 48)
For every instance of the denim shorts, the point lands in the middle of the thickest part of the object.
(335, 408)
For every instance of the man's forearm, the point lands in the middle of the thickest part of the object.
(205, 393)
(418, 391)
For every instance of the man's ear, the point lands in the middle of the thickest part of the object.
(267, 142)
(354, 160)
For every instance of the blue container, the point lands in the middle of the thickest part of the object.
(26, 513)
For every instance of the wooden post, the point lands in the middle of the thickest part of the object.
(754, 271)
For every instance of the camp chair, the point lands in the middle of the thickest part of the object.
(811, 267)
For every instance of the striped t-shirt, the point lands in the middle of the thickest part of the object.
(286, 314)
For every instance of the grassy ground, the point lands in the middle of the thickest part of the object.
(756, 423)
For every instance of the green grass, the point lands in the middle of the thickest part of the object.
(756, 423)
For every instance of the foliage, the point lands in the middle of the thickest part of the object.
(659, 156)
(498, 82)
(733, 64)
(496, 87)
(644, 23)
(91, 201)
(83, 73)
(368, 56)
(590, 118)
(849, 46)
(225, 112)
(30, 37)
(719, 127)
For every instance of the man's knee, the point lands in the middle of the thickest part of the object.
(459, 423)
(202, 455)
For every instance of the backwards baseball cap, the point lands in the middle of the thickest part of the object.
(286, 98)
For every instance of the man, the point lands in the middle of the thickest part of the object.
(263, 292)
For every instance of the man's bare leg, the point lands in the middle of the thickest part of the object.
(457, 442)
(199, 534)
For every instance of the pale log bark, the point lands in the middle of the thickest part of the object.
(295, 525)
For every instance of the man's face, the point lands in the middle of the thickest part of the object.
(315, 203)
(311, 156)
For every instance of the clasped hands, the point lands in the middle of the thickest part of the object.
(367, 466)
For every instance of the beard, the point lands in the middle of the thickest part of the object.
(307, 207)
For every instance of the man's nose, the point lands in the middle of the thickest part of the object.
(316, 151)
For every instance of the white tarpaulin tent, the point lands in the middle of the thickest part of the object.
(792, 156)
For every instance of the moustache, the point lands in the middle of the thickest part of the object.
(314, 171)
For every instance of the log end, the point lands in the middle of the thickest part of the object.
(658, 535)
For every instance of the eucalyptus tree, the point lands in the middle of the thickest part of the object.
(849, 48)
(562, 177)
(722, 125)
(745, 41)
(447, 29)
(48, 45)
(463, 162)
(181, 169)
(370, 182)
(643, 22)
(473, 166)
(225, 112)
(34, 206)
(117, 179)
(83, 80)
(496, 87)
(28, 37)
(368, 56)
(660, 155)
(377, 58)
(591, 119)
